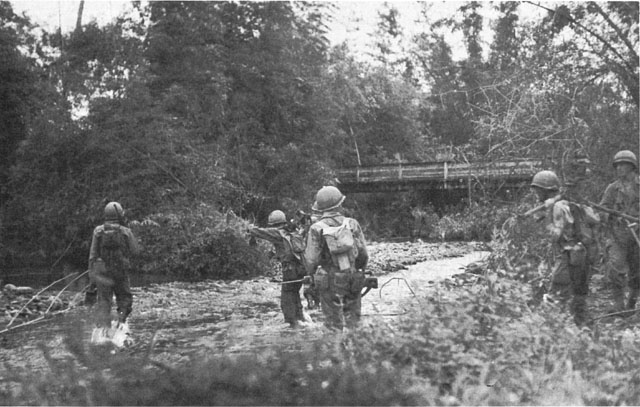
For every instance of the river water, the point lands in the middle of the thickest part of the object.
(183, 319)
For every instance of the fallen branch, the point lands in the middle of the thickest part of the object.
(53, 301)
(64, 288)
(41, 318)
(613, 314)
(33, 298)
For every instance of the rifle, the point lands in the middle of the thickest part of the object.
(630, 221)
(543, 206)
(612, 212)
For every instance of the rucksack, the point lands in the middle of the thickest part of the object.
(341, 244)
(584, 229)
(113, 238)
(295, 244)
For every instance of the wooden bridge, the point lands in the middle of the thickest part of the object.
(438, 176)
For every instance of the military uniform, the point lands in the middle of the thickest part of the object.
(114, 279)
(563, 219)
(622, 249)
(340, 293)
(570, 256)
(292, 269)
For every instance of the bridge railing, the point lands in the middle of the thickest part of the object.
(438, 172)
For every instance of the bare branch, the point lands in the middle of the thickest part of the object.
(617, 29)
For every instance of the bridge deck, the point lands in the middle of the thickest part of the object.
(441, 175)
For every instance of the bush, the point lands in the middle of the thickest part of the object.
(473, 223)
(197, 243)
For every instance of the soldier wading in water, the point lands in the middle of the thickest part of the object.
(336, 256)
(112, 246)
(289, 247)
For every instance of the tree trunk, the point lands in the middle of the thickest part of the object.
(79, 19)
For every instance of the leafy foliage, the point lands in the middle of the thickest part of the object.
(196, 244)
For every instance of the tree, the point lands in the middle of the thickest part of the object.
(18, 90)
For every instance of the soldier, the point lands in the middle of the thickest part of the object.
(336, 256)
(622, 250)
(563, 222)
(112, 246)
(289, 247)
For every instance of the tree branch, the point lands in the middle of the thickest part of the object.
(593, 33)
(617, 29)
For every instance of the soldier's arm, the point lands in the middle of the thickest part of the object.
(134, 246)
(361, 244)
(93, 251)
(608, 197)
(313, 249)
(607, 201)
(269, 234)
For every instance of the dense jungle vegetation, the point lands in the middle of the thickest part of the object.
(191, 112)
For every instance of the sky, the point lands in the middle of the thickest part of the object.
(354, 20)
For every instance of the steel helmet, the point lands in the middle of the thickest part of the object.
(625, 156)
(328, 198)
(113, 211)
(546, 180)
(276, 218)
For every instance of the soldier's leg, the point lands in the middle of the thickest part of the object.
(617, 271)
(353, 306)
(290, 295)
(352, 309)
(560, 289)
(102, 313)
(91, 294)
(580, 289)
(331, 304)
(298, 301)
(633, 262)
(124, 298)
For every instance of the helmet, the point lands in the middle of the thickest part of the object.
(546, 180)
(625, 156)
(113, 211)
(276, 217)
(328, 198)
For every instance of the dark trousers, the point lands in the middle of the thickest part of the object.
(290, 302)
(578, 284)
(124, 299)
(341, 299)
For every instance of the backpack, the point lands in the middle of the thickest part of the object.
(584, 229)
(113, 239)
(341, 245)
(295, 244)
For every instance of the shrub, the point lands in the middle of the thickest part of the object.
(197, 243)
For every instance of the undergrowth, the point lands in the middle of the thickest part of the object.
(473, 341)
(476, 339)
